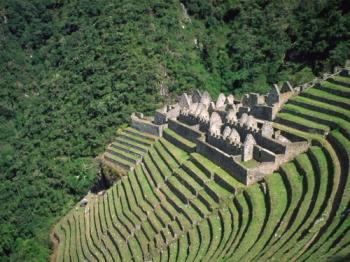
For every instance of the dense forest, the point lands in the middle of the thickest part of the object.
(73, 71)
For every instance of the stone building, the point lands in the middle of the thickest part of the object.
(230, 132)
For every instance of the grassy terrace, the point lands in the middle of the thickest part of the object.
(306, 203)
(302, 123)
(323, 94)
(320, 106)
(294, 187)
(340, 89)
(250, 163)
(188, 145)
(318, 116)
(177, 205)
(342, 79)
(339, 225)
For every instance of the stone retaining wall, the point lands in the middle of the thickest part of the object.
(147, 126)
(183, 130)
(223, 160)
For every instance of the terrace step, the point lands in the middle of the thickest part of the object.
(127, 149)
(324, 164)
(123, 155)
(132, 144)
(322, 118)
(118, 161)
(320, 107)
(327, 98)
(338, 224)
(340, 80)
(179, 141)
(143, 135)
(301, 123)
(136, 139)
(335, 89)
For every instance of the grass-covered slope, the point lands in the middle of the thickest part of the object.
(178, 206)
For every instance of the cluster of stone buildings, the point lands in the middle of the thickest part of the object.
(237, 135)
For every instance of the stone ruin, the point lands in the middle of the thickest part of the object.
(237, 135)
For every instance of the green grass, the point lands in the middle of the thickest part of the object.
(304, 122)
(116, 159)
(327, 95)
(336, 87)
(180, 138)
(342, 79)
(278, 203)
(325, 117)
(339, 225)
(244, 224)
(178, 154)
(206, 237)
(302, 213)
(322, 209)
(250, 163)
(130, 157)
(136, 138)
(225, 226)
(293, 183)
(345, 113)
(256, 196)
(141, 134)
(210, 166)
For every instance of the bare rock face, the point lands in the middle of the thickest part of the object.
(220, 102)
(234, 137)
(226, 133)
(205, 99)
(248, 147)
(267, 129)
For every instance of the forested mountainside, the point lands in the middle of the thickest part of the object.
(73, 71)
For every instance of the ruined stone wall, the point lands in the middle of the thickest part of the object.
(260, 172)
(223, 160)
(224, 145)
(270, 144)
(295, 149)
(184, 130)
(263, 155)
(160, 118)
(187, 119)
(147, 126)
(264, 112)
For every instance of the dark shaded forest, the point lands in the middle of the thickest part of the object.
(73, 71)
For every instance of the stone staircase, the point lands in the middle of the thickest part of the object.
(127, 150)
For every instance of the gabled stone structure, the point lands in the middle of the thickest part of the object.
(231, 132)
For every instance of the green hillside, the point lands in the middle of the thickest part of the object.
(73, 71)
(179, 206)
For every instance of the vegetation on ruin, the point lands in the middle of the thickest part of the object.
(73, 71)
